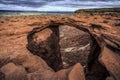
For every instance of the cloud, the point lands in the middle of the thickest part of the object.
(56, 5)
(29, 3)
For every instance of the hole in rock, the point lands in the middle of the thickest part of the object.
(62, 46)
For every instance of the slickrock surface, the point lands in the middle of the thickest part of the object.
(67, 47)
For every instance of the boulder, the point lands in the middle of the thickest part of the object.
(14, 72)
(76, 73)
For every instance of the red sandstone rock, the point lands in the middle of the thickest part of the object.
(23, 41)
(76, 73)
(111, 61)
(13, 72)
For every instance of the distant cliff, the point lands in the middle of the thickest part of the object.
(98, 10)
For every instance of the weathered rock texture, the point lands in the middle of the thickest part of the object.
(30, 50)
(75, 46)
(45, 44)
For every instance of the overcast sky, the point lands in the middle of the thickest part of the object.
(56, 5)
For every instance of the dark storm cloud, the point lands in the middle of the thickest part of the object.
(30, 3)
(92, 3)
(56, 5)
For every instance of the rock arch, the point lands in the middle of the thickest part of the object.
(98, 43)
